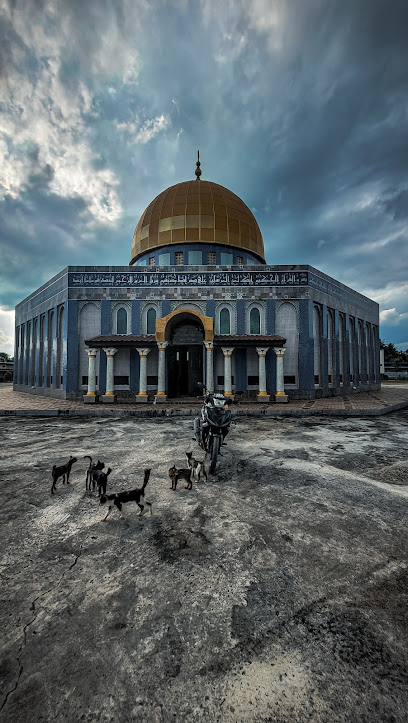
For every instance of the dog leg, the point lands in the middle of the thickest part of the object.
(108, 513)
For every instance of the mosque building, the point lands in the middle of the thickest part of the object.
(196, 303)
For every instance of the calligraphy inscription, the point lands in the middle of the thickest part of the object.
(220, 278)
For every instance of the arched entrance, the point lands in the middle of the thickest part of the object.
(185, 331)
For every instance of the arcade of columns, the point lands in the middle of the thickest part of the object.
(161, 394)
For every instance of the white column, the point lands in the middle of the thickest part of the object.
(91, 373)
(280, 395)
(110, 387)
(209, 382)
(142, 396)
(161, 395)
(227, 370)
(262, 395)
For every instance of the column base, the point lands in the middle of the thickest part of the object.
(263, 397)
(108, 398)
(160, 397)
(281, 397)
(142, 398)
(90, 399)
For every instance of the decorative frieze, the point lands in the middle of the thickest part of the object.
(144, 279)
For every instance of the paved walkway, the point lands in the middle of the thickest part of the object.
(393, 396)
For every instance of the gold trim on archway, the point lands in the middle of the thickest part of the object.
(162, 323)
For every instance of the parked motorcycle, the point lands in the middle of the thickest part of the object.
(212, 426)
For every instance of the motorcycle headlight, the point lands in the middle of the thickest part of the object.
(218, 402)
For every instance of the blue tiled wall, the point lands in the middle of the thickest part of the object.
(105, 331)
(306, 347)
(71, 376)
(270, 316)
(54, 348)
(136, 317)
(325, 354)
(165, 307)
(240, 306)
(240, 370)
(270, 367)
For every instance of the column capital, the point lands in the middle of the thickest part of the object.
(143, 352)
(262, 350)
(92, 353)
(162, 345)
(227, 351)
(279, 350)
(209, 345)
(110, 351)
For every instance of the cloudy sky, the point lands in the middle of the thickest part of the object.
(298, 106)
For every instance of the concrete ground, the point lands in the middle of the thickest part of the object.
(275, 591)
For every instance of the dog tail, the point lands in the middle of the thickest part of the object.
(54, 468)
(146, 478)
(108, 471)
(88, 457)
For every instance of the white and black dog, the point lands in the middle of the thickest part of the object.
(118, 500)
(197, 466)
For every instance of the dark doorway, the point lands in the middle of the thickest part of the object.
(185, 359)
(184, 370)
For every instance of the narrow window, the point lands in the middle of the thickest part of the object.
(151, 321)
(240, 259)
(152, 261)
(178, 258)
(121, 321)
(225, 323)
(211, 258)
(254, 322)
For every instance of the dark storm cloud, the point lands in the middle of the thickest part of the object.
(298, 107)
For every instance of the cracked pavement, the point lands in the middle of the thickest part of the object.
(277, 591)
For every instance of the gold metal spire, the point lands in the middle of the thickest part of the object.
(198, 169)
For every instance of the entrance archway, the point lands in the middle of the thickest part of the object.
(185, 330)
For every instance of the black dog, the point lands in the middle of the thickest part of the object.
(90, 477)
(176, 474)
(101, 479)
(117, 500)
(63, 471)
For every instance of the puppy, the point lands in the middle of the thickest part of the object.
(64, 470)
(117, 500)
(93, 467)
(176, 474)
(197, 466)
(100, 478)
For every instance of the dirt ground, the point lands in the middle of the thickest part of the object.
(276, 591)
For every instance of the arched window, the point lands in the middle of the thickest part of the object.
(331, 348)
(151, 321)
(225, 321)
(287, 326)
(317, 337)
(121, 321)
(254, 321)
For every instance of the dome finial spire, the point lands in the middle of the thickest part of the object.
(198, 169)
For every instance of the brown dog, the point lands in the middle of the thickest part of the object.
(176, 474)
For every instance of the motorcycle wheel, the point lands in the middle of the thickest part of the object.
(215, 448)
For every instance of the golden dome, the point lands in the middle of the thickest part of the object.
(197, 212)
